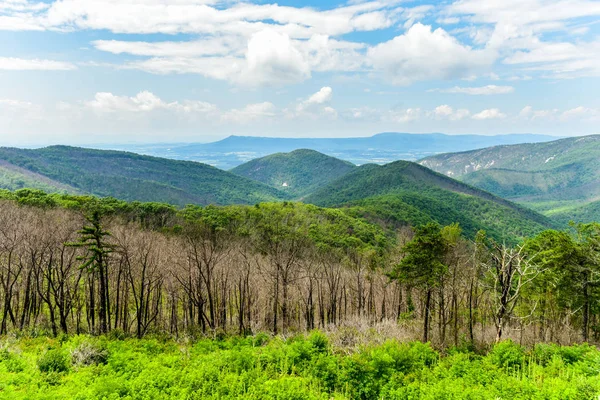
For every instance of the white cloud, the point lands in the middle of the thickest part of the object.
(251, 112)
(446, 112)
(322, 96)
(16, 104)
(20, 64)
(561, 59)
(268, 58)
(443, 110)
(528, 112)
(144, 102)
(315, 105)
(492, 113)
(522, 30)
(581, 113)
(205, 47)
(423, 54)
(482, 90)
(403, 115)
(208, 16)
(272, 59)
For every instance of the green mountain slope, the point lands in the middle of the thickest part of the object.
(130, 176)
(552, 177)
(407, 193)
(13, 177)
(298, 173)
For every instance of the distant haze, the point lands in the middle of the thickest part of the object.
(380, 149)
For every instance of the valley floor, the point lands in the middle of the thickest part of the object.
(296, 367)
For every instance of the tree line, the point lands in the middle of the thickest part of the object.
(73, 264)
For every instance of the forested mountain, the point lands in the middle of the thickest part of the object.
(128, 176)
(402, 193)
(298, 173)
(405, 192)
(558, 178)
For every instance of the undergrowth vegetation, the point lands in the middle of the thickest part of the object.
(295, 367)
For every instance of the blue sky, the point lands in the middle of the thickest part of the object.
(121, 71)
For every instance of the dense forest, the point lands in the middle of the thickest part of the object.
(107, 299)
(76, 264)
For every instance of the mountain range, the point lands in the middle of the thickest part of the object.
(395, 194)
(381, 148)
(560, 178)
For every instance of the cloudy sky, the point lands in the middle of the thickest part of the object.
(121, 71)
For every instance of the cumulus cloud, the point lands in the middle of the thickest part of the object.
(528, 112)
(267, 58)
(482, 90)
(272, 59)
(422, 54)
(446, 112)
(491, 113)
(20, 64)
(315, 105)
(322, 96)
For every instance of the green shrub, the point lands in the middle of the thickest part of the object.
(507, 354)
(319, 341)
(11, 361)
(54, 360)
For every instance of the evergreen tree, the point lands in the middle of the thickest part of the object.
(423, 266)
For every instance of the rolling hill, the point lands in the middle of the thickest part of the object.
(558, 178)
(127, 176)
(298, 173)
(403, 192)
(396, 194)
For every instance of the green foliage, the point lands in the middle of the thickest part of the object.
(507, 354)
(298, 368)
(423, 264)
(53, 360)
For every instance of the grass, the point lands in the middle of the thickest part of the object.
(297, 367)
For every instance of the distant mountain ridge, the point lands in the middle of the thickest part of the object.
(558, 178)
(380, 148)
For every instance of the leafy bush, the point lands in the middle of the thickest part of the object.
(319, 341)
(54, 360)
(299, 367)
(507, 354)
(11, 361)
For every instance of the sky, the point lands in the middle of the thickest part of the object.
(170, 71)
